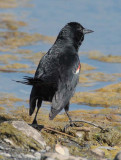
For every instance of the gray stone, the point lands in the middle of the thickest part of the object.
(49, 158)
(43, 151)
(1, 148)
(54, 156)
(29, 156)
(118, 156)
(9, 141)
(5, 154)
(37, 155)
(106, 147)
(62, 150)
(48, 148)
(98, 152)
(29, 131)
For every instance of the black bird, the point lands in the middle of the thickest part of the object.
(58, 72)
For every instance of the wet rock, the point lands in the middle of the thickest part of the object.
(118, 156)
(98, 152)
(29, 131)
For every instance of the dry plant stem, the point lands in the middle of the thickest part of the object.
(93, 124)
(50, 129)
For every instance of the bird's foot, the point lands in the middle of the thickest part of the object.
(71, 124)
(34, 122)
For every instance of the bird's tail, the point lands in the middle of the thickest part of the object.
(30, 81)
(35, 82)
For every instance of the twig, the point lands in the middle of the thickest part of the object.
(65, 134)
(93, 124)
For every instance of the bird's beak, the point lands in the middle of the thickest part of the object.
(85, 31)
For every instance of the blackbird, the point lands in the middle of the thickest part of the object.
(58, 72)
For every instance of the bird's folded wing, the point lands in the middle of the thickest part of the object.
(66, 88)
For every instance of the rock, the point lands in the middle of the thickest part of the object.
(79, 134)
(9, 141)
(118, 156)
(1, 148)
(54, 156)
(48, 148)
(106, 147)
(98, 152)
(5, 154)
(29, 131)
(37, 155)
(61, 150)
(49, 158)
(29, 156)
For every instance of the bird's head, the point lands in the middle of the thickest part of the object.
(73, 32)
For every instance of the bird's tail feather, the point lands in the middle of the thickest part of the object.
(35, 82)
(30, 81)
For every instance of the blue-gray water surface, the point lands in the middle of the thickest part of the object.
(48, 17)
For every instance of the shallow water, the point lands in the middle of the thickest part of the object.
(48, 17)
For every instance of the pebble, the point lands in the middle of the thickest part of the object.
(48, 148)
(37, 155)
(49, 158)
(43, 151)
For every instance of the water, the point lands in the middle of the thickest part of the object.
(48, 17)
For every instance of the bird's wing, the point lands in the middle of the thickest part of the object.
(67, 82)
(47, 69)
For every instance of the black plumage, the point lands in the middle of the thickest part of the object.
(58, 71)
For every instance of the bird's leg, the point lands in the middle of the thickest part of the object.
(70, 120)
(38, 107)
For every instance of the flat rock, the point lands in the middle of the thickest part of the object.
(54, 156)
(29, 131)
(98, 152)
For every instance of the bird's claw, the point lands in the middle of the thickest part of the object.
(71, 124)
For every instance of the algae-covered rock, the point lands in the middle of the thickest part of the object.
(21, 134)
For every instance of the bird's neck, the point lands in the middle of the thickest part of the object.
(68, 43)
